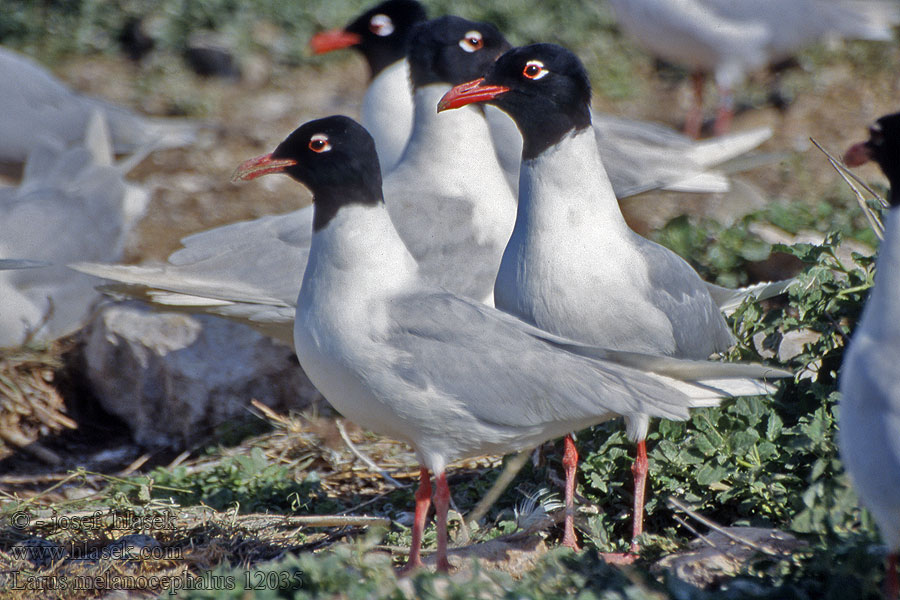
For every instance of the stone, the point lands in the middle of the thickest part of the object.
(173, 377)
(718, 557)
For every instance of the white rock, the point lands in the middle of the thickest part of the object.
(174, 377)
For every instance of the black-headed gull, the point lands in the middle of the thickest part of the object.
(573, 266)
(869, 411)
(452, 377)
(730, 38)
(380, 35)
(38, 108)
(639, 156)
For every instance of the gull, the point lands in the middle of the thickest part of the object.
(639, 156)
(448, 375)
(730, 38)
(380, 35)
(869, 410)
(38, 108)
(572, 266)
(448, 199)
(73, 204)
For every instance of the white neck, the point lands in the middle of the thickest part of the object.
(566, 188)
(454, 138)
(357, 256)
(883, 306)
(387, 113)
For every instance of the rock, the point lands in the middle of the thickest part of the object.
(514, 555)
(718, 557)
(174, 377)
(211, 55)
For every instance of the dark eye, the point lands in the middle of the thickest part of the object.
(381, 25)
(534, 69)
(472, 41)
(319, 143)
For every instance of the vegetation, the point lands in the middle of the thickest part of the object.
(762, 462)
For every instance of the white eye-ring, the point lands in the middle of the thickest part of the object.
(319, 143)
(472, 41)
(534, 69)
(381, 25)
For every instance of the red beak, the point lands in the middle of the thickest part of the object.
(259, 166)
(858, 154)
(467, 93)
(335, 39)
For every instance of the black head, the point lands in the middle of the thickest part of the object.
(452, 50)
(334, 157)
(543, 87)
(380, 33)
(883, 146)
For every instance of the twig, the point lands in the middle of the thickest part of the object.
(841, 168)
(368, 461)
(716, 527)
(693, 530)
(314, 520)
(512, 468)
(137, 464)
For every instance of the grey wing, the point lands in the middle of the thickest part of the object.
(795, 24)
(640, 156)
(491, 364)
(38, 107)
(698, 327)
(442, 238)
(249, 272)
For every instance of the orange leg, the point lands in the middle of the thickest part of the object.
(694, 120)
(891, 582)
(423, 502)
(639, 470)
(441, 506)
(570, 463)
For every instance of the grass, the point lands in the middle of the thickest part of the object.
(764, 462)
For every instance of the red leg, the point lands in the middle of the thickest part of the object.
(423, 501)
(441, 506)
(725, 113)
(694, 120)
(891, 582)
(570, 463)
(639, 470)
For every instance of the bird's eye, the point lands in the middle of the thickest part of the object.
(381, 25)
(534, 69)
(472, 41)
(319, 143)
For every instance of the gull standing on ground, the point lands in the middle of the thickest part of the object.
(730, 38)
(869, 411)
(573, 267)
(450, 376)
